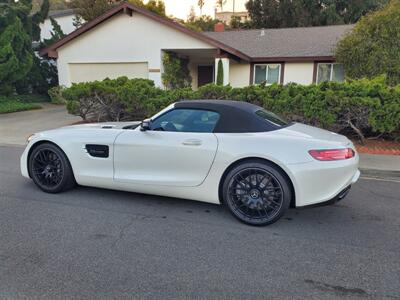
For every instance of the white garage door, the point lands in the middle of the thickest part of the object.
(84, 72)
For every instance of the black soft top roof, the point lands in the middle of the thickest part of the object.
(235, 116)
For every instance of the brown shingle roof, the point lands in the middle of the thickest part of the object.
(284, 42)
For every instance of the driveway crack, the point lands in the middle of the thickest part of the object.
(122, 232)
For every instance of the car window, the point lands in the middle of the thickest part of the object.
(186, 120)
(271, 117)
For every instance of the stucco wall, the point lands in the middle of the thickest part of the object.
(239, 74)
(301, 73)
(92, 72)
(125, 39)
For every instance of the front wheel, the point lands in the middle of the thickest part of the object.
(50, 169)
(257, 193)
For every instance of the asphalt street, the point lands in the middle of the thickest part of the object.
(96, 244)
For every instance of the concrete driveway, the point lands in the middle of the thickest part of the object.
(16, 127)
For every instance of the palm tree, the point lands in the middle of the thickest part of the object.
(200, 4)
(220, 4)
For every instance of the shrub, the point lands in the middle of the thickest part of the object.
(362, 107)
(176, 71)
(55, 94)
(220, 73)
(9, 104)
(32, 98)
(113, 100)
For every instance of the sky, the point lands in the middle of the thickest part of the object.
(181, 8)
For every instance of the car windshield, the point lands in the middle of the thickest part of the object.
(271, 117)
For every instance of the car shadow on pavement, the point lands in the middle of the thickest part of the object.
(157, 207)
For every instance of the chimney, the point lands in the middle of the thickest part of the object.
(219, 27)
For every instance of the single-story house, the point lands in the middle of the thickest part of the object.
(130, 41)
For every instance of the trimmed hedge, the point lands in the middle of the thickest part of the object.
(364, 107)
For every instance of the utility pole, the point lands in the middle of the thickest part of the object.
(233, 6)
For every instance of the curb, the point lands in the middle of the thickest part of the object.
(377, 150)
(380, 174)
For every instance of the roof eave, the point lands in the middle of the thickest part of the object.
(292, 59)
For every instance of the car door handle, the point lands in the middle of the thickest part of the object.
(192, 142)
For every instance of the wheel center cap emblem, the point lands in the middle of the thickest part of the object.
(254, 194)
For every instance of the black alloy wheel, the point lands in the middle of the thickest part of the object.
(50, 169)
(257, 193)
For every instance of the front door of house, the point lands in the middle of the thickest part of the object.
(205, 75)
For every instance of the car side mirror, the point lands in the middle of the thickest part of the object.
(145, 125)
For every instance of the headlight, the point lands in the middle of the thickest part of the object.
(29, 138)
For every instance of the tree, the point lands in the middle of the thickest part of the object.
(200, 4)
(77, 21)
(90, 9)
(220, 73)
(54, 4)
(38, 18)
(55, 35)
(372, 48)
(15, 54)
(156, 6)
(58, 4)
(43, 74)
(203, 23)
(192, 15)
(220, 4)
(19, 27)
(288, 13)
(237, 23)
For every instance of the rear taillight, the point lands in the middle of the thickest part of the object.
(332, 154)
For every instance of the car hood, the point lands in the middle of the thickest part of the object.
(107, 125)
(310, 132)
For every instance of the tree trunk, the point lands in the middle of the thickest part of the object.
(357, 131)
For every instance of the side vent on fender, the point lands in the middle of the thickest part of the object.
(98, 150)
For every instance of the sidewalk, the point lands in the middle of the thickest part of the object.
(387, 166)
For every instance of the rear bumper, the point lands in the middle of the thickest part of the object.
(336, 199)
(319, 182)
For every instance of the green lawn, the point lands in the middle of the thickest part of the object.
(9, 104)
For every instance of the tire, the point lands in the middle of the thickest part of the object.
(256, 192)
(50, 169)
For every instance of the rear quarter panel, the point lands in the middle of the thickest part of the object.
(311, 179)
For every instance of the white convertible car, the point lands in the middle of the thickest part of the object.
(214, 151)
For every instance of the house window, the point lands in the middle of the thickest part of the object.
(330, 72)
(269, 73)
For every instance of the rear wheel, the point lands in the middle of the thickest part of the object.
(257, 193)
(50, 169)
